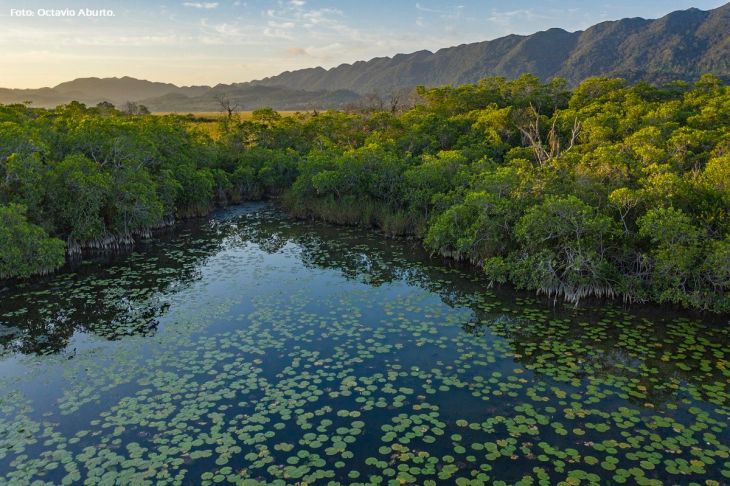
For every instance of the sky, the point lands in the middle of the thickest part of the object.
(194, 42)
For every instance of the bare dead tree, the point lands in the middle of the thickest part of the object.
(394, 102)
(402, 100)
(574, 132)
(545, 152)
(227, 106)
(311, 108)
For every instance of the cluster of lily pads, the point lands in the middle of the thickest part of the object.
(285, 353)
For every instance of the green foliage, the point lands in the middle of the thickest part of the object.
(24, 175)
(97, 178)
(564, 249)
(610, 189)
(136, 203)
(543, 187)
(25, 249)
(79, 191)
(195, 197)
(437, 174)
(687, 268)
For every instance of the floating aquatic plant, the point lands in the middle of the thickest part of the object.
(259, 351)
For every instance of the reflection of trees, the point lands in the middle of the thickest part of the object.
(114, 297)
(371, 259)
(125, 299)
(376, 260)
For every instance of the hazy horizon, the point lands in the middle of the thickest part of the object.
(206, 43)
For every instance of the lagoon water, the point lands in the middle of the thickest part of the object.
(252, 349)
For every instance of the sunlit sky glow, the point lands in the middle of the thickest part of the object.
(224, 41)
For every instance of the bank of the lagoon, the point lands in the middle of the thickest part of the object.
(249, 348)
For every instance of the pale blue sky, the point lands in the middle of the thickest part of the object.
(224, 41)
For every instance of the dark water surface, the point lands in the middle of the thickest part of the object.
(251, 349)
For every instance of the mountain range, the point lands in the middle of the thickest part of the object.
(679, 46)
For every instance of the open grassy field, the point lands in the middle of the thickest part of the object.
(208, 121)
(216, 115)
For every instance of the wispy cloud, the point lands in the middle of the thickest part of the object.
(202, 5)
(508, 16)
(70, 37)
(295, 19)
(448, 19)
(522, 21)
(233, 33)
(450, 12)
(423, 8)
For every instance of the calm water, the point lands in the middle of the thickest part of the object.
(252, 349)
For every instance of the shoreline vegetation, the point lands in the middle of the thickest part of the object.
(610, 190)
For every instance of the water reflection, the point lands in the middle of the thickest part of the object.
(250, 346)
(126, 295)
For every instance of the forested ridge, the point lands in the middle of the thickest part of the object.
(678, 46)
(608, 190)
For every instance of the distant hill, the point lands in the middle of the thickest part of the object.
(118, 89)
(681, 45)
(168, 97)
(250, 97)
(95, 90)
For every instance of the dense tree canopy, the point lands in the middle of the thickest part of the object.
(25, 249)
(609, 190)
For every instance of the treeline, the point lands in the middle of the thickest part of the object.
(606, 190)
(78, 177)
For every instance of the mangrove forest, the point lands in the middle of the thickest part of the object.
(609, 190)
